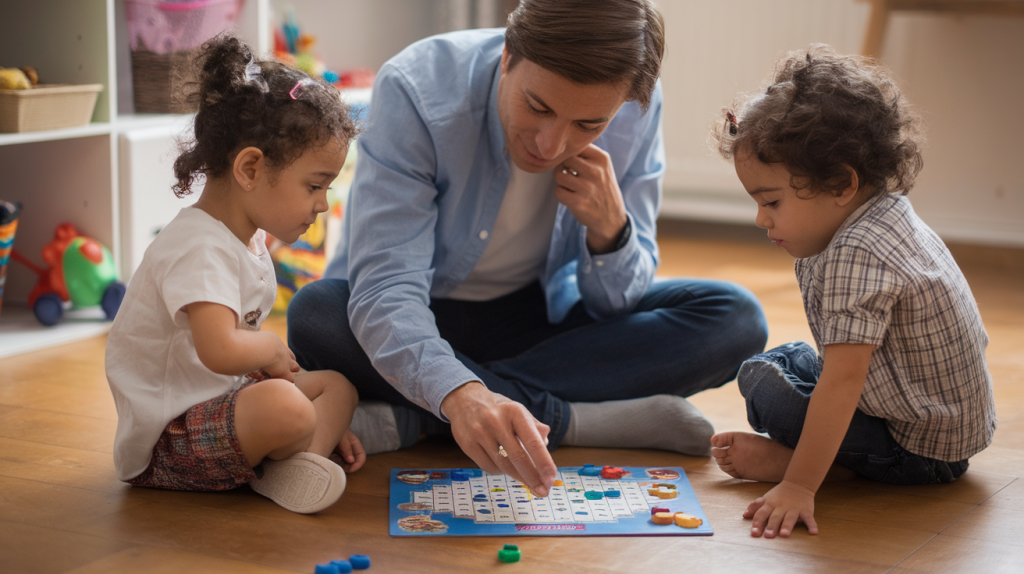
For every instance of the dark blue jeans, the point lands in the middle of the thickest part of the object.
(777, 386)
(683, 337)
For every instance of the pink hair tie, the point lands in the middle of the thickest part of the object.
(293, 91)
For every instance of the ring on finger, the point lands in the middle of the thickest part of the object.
(502, 452)
(568, 171)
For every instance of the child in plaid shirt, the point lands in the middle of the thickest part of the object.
(902, 392)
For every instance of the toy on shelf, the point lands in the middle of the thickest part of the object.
(80, 270)
(8, 225)
(295, 48)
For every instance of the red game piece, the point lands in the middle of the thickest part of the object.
(657, 509)
(612, 472)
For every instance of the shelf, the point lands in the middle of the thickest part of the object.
(143, 121)
(21, 333)
(89, 130)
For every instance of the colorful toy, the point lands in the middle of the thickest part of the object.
(8, 226)
(80, 270)
(612, 472)
(359, 561)
(342, 566)
(510, 553)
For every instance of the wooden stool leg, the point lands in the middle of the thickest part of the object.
(874, 36)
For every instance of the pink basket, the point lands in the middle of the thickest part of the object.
(171, 26)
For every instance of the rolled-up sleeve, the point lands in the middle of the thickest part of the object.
(392, 240)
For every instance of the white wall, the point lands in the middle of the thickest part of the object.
(965, 74)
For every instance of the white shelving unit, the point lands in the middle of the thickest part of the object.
(73, 174)
(108, 177)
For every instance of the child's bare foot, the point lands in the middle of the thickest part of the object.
(750, 456)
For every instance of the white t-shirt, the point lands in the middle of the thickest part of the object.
(151, 361)
(518, 245)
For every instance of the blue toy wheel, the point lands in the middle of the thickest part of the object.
(112, 298)
(49, 309)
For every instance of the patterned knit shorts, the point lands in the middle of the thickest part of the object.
(199, 450)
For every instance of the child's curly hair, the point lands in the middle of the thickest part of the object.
(242, 101)
(821, 111)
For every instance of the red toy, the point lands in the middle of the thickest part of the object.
(80, 270)
(612, 472)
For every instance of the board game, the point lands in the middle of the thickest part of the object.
(585, 501)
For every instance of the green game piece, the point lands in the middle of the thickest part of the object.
(593, 495)
(510, 553)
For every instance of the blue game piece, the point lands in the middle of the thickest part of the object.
(583, 512)
(483, 511)
(612, 493)
(343, 566)
(593, 495)
(359, 561)
(331, 76)
(459, 476)
(480, 497)
(590, 470)
(325, 569)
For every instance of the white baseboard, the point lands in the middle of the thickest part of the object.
(731, 208)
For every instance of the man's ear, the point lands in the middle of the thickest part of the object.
(847, 195)
(249, 167)
(504, 60)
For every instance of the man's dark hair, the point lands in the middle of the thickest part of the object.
(587, 42)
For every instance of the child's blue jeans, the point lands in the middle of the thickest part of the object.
(777, 386)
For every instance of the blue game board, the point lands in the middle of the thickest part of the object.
(469, 502)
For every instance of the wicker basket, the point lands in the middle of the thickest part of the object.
(157, 79)
(47, 107)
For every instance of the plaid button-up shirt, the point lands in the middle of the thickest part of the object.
(886, 279)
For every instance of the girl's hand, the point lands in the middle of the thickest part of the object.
(351, 451)
(283, 365)
(778, 511)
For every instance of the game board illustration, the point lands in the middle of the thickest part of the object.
(585, 501)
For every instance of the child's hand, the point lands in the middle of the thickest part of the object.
(351, 451)
(778, 511)
(283, 365)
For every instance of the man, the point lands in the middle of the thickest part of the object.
(498, 252)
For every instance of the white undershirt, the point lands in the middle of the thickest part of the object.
(519, 242)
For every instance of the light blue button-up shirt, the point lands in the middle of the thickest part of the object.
(430, 177)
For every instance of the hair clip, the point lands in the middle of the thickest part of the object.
(734, 124)
(254, 74)
(294, 91)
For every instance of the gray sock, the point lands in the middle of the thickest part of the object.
(383, 427)
(665, 422)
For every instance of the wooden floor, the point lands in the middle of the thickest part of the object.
(63, 510)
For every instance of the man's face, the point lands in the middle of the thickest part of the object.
(547, 118)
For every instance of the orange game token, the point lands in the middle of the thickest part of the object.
(687, 521)
(662, 518)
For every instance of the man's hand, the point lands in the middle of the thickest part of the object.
(593, 196)
(483, 421)
(778, 511)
